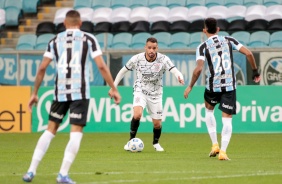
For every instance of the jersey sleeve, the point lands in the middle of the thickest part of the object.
(95, 49)
(168, 63)
(131, 64)
(236, 45)
(49, 53)
(200, 52)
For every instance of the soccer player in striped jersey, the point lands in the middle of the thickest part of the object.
(150, 67)
(71, 51)
(220, 82)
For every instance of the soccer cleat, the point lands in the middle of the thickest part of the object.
(126, 148)
(214, 151)
(158, 147)
(64, 179)
(28, 177)
(222, 156)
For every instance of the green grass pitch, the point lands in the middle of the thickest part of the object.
(255, 159)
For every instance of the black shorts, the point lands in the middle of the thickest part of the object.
(226, 100)
(77, 115)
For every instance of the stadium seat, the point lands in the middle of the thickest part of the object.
(87, 26)
(236, 12)
(218, 12)
(82, 4)
(121, 41)
(268, 3)
(30, 6)
(159, 19)
(276, 39)
(193, 3)
(274, 25)
(2, 18)
(139, 40)
(242, 36)
(102, 20)
(104, 37)
(175, 3)
(2, 4)
(120, 3)
(237, 25)
(223, 24)
(257, 25)
(13, 9)
(139, 19)
(229, 3)
(223, 33)
(259, 39)
(120, 19)
(196, 13)
(138, 3)
(179, 40)
(196, 39)
(197, 26)
(255, 12)
(249, 3)
(60, 15)
(86, 13)
(26, 42)
(211, 3)
(163, 39)
(273, 12)
(100, 4)
(42, 41)
(178, 18)
(45, 27)
(156, 3)
(60, 28)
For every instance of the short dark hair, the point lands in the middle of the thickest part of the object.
(151, 39)
(211, 25)
(73, 14)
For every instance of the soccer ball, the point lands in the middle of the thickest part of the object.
(135, 145)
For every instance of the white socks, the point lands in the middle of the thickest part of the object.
(40, 150)
(226, 133)
(70, 152)
(211, 125)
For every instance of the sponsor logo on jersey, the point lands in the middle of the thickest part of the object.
(272, 72)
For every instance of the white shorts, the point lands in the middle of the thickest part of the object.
(154, 104)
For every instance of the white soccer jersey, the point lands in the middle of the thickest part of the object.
(149, 74)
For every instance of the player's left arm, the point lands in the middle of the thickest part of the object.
(178, 75)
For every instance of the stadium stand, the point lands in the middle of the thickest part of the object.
(82, 4)
(210, 3)
(259, 39)
(175, 3)
(159, 19)
(276, 39)
(120, 19)
(13, 9)
(42, 41)
(249, 3)
(120, 3)
(100, 4)
(138, 3)
(268, 3)
(195, 39)
(86, 13)
(242, 36)
(26, 42)
(156, 3)
(193, 3)
(179, 40)
(45, 27)
(163, 39)
(30, 6)
(104, 37)
(121, 41)
(229, 3)
(138, 40)
(139, 19)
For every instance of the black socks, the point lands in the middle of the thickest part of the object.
(134, 127)
(157, 135)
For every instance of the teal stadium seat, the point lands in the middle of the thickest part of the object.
(192, 3)
(259, 39)
(139, 40)
(268, 3)
(82, 4)
(276, 39)
(249, 3)
(242, 36)
(14, 12)
(138, 3)
(196, 39)
(175, 3)
(42, 41)
(101, 39)
(210, 3)
(223, 33)
(120, 3)
(229, 3)
(163, 39)
(101, 4)
(121, 41)
(2, 4)
(156, 3)
(179, 40)
(30, 6)
(26, 42)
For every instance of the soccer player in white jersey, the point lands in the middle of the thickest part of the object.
(220, 82)
(70, 51)
(148, 87)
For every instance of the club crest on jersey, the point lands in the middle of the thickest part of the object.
(156, 67)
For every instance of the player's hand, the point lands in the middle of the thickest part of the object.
(115, 94)
(187, 91)
(180, 80)
(256, 76)
(33, 100)
(110, 93)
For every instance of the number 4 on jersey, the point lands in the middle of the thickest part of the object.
(74, 63)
